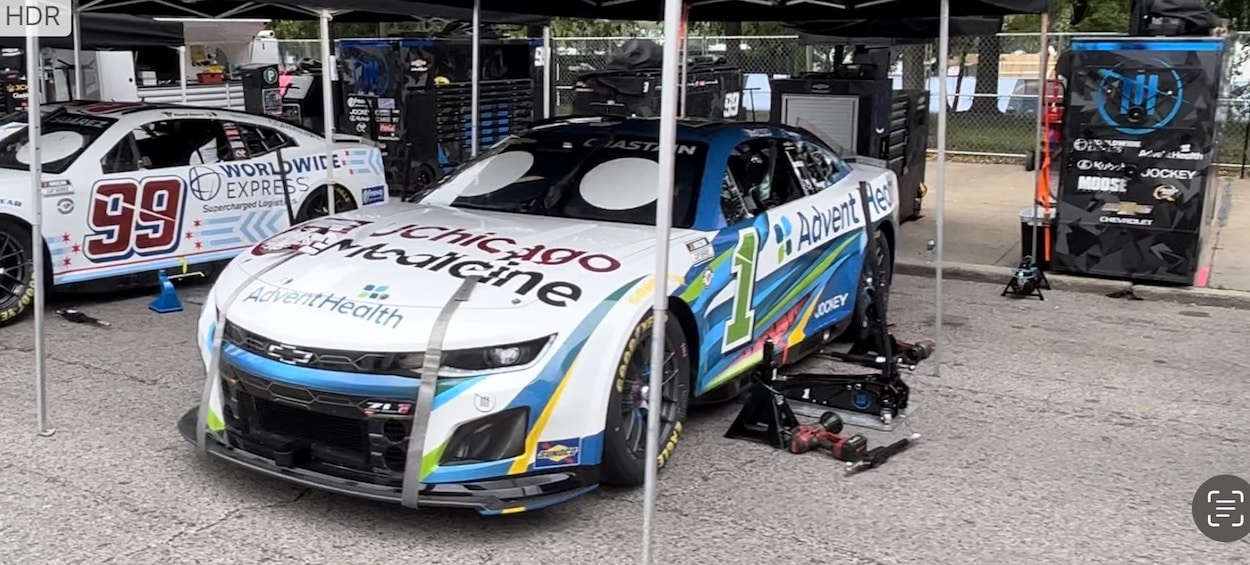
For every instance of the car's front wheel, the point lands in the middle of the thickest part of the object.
(17, 281)
(625, 433)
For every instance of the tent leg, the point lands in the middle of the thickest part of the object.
(78, 71)
(1042, 56)
(327, 108)
(182, 72)
(548, 59)
(34, 87)
(685, 68)
(475, 81)
(943, 60)
(663, 227)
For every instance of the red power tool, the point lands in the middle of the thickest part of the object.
(825, 434)
(853, 449)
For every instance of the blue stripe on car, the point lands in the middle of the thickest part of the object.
(354, 384)
(538, 393)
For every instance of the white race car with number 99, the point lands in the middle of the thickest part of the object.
(486, 346)
(131, 188)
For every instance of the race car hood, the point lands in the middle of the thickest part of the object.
(403, 262)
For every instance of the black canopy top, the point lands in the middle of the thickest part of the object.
(896, 31)
(756, 10)
(112, 31)
(352, 11)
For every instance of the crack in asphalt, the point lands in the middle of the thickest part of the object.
(192, 529)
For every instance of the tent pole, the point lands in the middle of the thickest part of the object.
(78, 72)
(1042, 56)
(944, 41)
(685, 62)
(34, 96)
(182, 72)
(327, 108)
(476, 82)
(663, 228)
(548, 59)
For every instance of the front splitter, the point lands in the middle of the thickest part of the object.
(506, 495)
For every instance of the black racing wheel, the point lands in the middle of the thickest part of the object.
(879, 268)
(17, 281)
(316, 204)
(625, 432)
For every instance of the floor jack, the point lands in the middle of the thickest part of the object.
(877, 400)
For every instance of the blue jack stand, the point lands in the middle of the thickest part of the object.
(167, 301)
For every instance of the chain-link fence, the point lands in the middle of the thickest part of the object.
(995, 117)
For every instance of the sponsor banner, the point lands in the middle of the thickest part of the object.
(1169, 174)
(1099, 166)
(843, 216)
(1088, 145)
(1126, 213)
(1110, 185)
(348, 306)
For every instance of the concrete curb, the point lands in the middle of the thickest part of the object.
(999, 275)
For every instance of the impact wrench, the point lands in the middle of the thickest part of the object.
(853, 449)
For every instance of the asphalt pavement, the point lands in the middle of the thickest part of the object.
(1074, 430)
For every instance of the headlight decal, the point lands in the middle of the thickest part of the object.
(546, 389)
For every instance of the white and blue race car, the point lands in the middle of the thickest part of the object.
(486, 347)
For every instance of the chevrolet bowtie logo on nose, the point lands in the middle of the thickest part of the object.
(290, 354)
(1127, 208)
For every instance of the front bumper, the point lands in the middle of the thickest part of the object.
(496, 496)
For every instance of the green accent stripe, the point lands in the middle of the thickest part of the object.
(805, 283)
(696, 287)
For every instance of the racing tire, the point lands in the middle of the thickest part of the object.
(424, 175)
(624, 434)
(1030, 160)
(17, 283)
(883, 263)
(316, 204)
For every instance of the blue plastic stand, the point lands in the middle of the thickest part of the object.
(167, 301)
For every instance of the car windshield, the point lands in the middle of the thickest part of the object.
(65, 136)
(600, 177)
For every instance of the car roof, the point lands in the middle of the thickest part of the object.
(708, 131)
(118, 109)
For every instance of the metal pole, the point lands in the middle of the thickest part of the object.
(1038, 211)
(476, 82)
(663, 227)
(944, 39)
(327, 107)
(182, 72)
(78, 72)
(685, 71)
(34, 96)
(548, 59)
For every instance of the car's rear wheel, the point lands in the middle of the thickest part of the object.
(317, 203)
(625, 432)
(17, 281)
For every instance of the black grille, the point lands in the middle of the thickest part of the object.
(354, 437)
(368, 362)
(313, 427)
